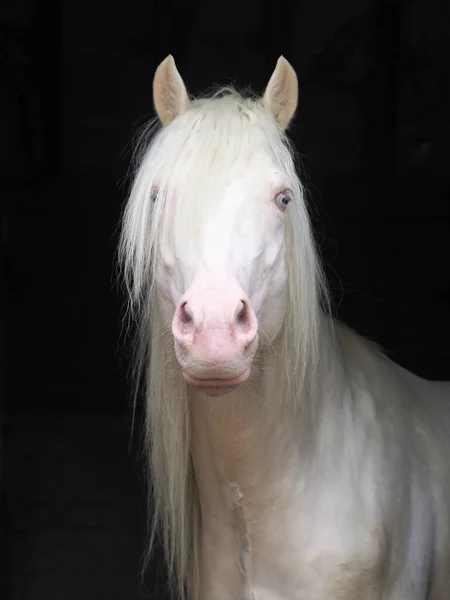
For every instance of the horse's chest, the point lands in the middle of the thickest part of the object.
(271, 533)
(312, 554)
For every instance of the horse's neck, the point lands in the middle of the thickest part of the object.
(234, 433)
(250, 437)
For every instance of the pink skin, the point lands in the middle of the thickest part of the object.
(220, 293)
(215, 337)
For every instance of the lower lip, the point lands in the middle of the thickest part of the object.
(216, 387)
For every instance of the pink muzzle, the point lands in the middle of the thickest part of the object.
(216, 335)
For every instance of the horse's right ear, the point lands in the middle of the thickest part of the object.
(169, 92)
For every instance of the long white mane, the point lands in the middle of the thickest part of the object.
(201, 148)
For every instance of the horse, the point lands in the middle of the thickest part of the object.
(289, 458)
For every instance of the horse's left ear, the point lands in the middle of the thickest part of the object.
(281, 93)
(169, 92)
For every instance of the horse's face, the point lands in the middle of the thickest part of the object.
(230, 284)
(228, 287)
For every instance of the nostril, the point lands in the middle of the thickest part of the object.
(185, 314)
(241, 316)
(244, 322)
(183, 324)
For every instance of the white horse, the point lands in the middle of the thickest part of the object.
(289, 458)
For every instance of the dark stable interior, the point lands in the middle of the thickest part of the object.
(372, 128)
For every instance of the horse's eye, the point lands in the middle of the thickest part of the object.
(282, 200)
(154, 194)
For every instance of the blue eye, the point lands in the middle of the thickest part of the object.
(282, 200)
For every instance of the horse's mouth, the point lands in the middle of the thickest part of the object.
(216, 386)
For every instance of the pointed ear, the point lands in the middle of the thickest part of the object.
(281, 93)
(169, 92)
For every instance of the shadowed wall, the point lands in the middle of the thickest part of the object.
(372, 129)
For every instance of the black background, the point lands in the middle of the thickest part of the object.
(372, 126)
